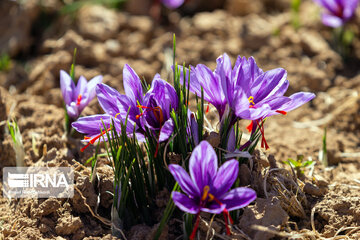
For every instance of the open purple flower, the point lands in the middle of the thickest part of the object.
(158, 103)
(207, 187)
(337, 12)
(77, 97)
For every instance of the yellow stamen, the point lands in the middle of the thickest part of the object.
(205, 193)
(251, 100)
(117, 115)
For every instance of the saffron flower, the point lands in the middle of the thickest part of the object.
(245, 91)
(77, 97)
(207, 187)
(337, 12)
(140, 111)
(172, 4)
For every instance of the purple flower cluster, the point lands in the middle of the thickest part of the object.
(337, 12)
(245, 91)
(142, 111)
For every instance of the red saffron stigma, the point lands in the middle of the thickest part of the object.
(192, 236)
(281, 112)
(208, 108)
(93, 139)
(250, 126)
(78, 100)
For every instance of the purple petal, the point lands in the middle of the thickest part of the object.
(184, 180)
(185, 203)
(267, 82)
(203, 165)
(213, 208)
(331, 20)
(132, 84)
(213, 92)
(91, 125)
(108, 98)
(226, 177)
(172, 4)
(223, 70)
(349, 8)
(297, 99)
(231, 144)
(72, 110)
(238, 198)
(194, 129)
(166, 130)
(92, 86)
(67, 87)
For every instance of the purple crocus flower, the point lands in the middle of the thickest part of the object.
(207, 187)
(245, 91)
(151, 110)
(158, 103)
(337, 12)
(77, 97)
(172, 4)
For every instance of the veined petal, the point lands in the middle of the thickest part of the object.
(238, 198)
(67, 87)
(166, 130)
(226, 177)
(213, 92)
(81, 88)
(223, 72)
(268, 82)
(132, 84)
(108, 98)
(184, 180)
(297, 99)
(91, 125)
(203, 165)
(185, 203)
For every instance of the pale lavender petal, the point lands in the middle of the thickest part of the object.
(203, 165)
(185, 203)
(132, 84)
(349, 8)
(223, 71)
(297, 100)
(172, 4)
(238, 198)
(92, 86)
(81, 88)
(72, 110)
(225, 177)
(91, 125)
(67, 87)
(184, 180)
(166, 130)
(331, 20)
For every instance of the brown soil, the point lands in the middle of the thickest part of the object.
(324, 204)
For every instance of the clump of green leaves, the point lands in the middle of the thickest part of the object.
(17, 142)
(299, 164)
